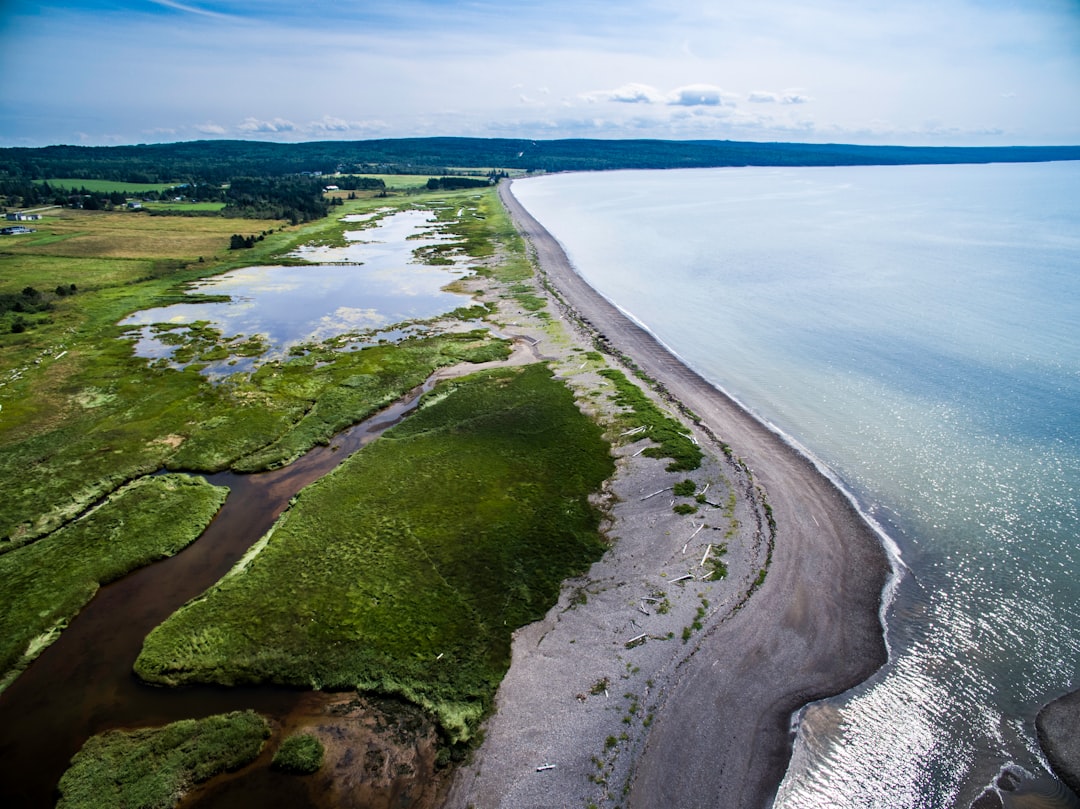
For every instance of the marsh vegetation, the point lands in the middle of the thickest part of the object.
(403, 573)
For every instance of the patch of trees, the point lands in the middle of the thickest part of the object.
(30, 301)
(350, 183)
(298, 199)
(239, 242)
(455, 183)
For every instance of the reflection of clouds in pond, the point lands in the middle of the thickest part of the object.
(295, 304)
(348, 319)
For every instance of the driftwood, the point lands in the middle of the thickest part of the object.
(682, 578)
(648, 496)
(708, 550)
(545, 767)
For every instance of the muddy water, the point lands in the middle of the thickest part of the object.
(83, 684)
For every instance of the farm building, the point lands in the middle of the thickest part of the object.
(22, 217)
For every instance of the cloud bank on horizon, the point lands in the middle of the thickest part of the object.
(928, 72)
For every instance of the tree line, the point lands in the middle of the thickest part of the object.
(219, 161)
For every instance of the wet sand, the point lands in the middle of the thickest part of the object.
(719, 729)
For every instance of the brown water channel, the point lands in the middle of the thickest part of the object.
(83, 684)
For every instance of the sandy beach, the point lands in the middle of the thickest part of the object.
(585, 716)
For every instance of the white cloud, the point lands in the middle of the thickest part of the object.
(210, 128)
(329, 124)
(277, 125)
(786, 97)
(632, 93)
(700, 95)
(187, 9)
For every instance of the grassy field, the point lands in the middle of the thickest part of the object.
(81, 416)
(184, 207)
(106, 186)
(153, 768)
(407, 569)
(48, 582)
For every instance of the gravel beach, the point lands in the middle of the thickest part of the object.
(647, 685)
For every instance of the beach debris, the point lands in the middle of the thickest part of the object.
(58, 356)
(635, 431)
(637, 640)
(648, 496)
(638, 453)
(437, 659)
(682, 578)
(708, 550)
(707, 485)
(691, 539)
(644, 611)
(545, 767)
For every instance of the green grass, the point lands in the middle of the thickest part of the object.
(47, 583)
(201, 207)
(407, 569)
(670, 436)
(153, 768)
(301, 754)
(106, 186)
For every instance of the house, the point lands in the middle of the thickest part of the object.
(134, 206)
(331, 188)
(22, 217)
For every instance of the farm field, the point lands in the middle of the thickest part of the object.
(106, 186)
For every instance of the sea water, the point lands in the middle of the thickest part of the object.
(917, 329)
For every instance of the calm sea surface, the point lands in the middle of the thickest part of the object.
(917, 329)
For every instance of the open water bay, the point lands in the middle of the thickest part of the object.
(917, 330)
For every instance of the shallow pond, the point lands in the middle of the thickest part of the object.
(364, 288)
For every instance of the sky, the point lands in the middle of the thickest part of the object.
(912, 72)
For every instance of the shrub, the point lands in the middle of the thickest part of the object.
(301, 754)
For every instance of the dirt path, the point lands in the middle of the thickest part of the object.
(719, 721)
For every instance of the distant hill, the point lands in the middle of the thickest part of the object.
(220, 160)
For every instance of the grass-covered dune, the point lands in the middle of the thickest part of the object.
(407, 569)
(153, 768)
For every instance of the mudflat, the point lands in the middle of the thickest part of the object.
(710, 726)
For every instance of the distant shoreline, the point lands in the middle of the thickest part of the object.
(812, 630)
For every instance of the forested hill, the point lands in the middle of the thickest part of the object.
(220, 160)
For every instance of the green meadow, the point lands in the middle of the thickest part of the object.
(407, 569)
(153, 768)
(48, 582)
(404, 572)
(106, 186)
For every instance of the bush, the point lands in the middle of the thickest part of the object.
(301, 754)
(685, 488)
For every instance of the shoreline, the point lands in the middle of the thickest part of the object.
(721, 732)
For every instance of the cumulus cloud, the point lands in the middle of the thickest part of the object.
(689, 95)
(266, 127)
(768, 97)
(210, 128)
(329, 124)
(700, 95)
(632, 93)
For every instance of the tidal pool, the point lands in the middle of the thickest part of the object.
(364, 289)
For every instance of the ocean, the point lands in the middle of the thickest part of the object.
(917, 330)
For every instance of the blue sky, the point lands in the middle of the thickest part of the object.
(934, 72)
